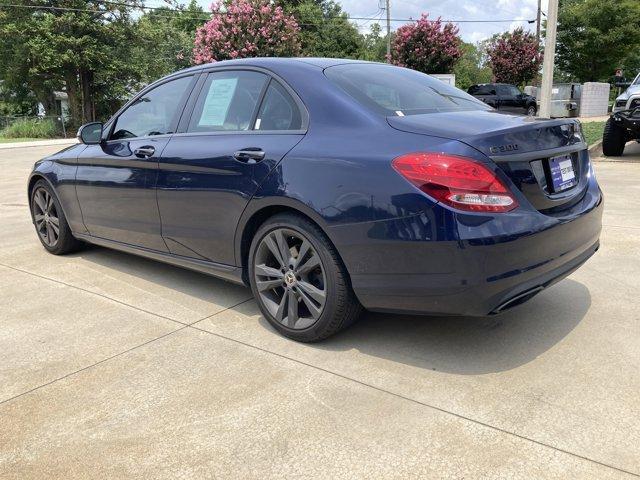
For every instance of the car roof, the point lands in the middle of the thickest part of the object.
(491, 83)
(275, 62)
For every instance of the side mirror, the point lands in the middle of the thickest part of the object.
(90, 133)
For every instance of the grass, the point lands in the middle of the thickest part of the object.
(592, 131)
(30, 128)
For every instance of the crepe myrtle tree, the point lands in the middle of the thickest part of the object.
(428, 46)
(246, 28)
(514, 57)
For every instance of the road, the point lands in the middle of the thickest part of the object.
(113, 366)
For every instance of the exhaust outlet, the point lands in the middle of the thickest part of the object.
(518, 299)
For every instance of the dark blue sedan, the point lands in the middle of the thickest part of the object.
(327, 186)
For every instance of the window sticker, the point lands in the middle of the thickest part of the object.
(217, 102)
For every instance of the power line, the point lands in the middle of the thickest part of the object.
(208, 15)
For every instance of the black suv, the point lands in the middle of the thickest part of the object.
(505, 97)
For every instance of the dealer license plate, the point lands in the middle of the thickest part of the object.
(563, 176)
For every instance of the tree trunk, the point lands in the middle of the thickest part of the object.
(71, 80)
(86, 84)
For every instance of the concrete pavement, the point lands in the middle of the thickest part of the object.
(115, 366)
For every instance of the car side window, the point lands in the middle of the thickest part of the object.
(278, 110)
(227, 101)
(503, 90)
(514, 91)
(153, 113)
(482, 90)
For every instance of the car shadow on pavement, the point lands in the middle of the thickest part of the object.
(471, 345)
(459, 345)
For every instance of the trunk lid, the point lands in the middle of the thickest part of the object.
(521, 146)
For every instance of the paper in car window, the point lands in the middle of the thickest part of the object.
(216, 104)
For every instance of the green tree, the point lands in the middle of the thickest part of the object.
(166, 38)
(374, 45)
(325, 30)
(596, 36)
(81, 46)
(472, 67)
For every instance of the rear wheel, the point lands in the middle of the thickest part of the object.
(613, 139)
(298, 280)
(51, 224)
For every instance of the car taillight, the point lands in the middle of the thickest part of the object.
(456, 181)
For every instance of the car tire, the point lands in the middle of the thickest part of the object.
(613, 139)
(531, 111)
(303, 303)
(50, 222)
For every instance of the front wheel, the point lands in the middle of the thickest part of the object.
(299, 281)
(531, 111)
(51, 224)
(613, 139)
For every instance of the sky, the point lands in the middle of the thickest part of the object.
(447, 9)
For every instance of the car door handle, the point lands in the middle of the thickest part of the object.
(249, 155)
(144, 152)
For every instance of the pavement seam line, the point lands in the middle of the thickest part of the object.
(418, 402)
(101, 295)
(192, 325)
(99, 362)
(2, 402)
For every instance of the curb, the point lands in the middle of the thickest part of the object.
(595, 149)
(39, 143)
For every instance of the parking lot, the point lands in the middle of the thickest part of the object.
(113, 366)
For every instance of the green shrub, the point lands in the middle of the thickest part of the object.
(31, 128)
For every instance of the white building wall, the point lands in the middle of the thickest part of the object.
(449, 78)
(595, 99)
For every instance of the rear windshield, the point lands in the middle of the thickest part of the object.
(400, 91)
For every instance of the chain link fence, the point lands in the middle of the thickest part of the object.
(45, 126)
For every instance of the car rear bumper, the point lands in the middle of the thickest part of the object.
(408, 265)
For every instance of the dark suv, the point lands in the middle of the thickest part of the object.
(505, 97)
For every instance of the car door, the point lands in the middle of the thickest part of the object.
(241, 124)
(520, 103)
(508, 101)
(486, 93)
(116, 179)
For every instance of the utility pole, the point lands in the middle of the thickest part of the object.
(538, 21)
(549, 57)
(388, 31)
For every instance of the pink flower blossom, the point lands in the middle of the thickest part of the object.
(243, 28)
(427, 46)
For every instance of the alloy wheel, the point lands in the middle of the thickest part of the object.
(290, 278)
(46, 217)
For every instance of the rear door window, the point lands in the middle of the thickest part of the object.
(399, 91)
(227, 101)
(278, 111)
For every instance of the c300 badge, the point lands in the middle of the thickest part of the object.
(511, 147)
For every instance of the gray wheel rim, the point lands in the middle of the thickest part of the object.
(46, 217)
(531, 111)
(290, 278)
